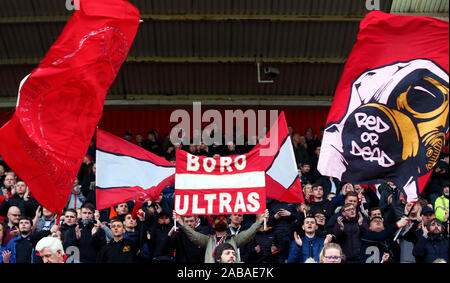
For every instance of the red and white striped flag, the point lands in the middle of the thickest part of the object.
(126, 172)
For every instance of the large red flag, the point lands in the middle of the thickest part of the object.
(389, 117)
(126, 172)
(61, 101)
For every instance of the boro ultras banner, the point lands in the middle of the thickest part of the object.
(126, 171)
(389, 117)
(219, 185)
(61, 101)
(239, 183)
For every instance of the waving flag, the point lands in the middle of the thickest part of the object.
(126, 172)
(239, 183)
(282, 180)
(389, 117)
(61, 101)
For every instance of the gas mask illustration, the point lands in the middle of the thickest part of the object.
(395, 125)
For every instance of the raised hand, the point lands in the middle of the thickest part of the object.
(141, 215)
(38, 212)
(263, 216)
(27, 193)
(340, 223)
(6, 255)
(298, 239)
(328, 239)
(284, 212)
(54, 229)
(177, 218)
(402, 222)
(385, 257)
(78, 232)
(172, 231)
(158, 208)
(5, 193)
(94, 230)
(408, 207)
(360, 219)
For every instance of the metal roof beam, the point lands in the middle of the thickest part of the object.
(200, 17)
(206, 99)
(156, 59)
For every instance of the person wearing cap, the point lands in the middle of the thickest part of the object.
(220, 225)
(433, 244)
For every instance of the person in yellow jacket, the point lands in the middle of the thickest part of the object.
(441, 205)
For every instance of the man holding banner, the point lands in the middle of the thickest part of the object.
(236, 184)
(220, 225)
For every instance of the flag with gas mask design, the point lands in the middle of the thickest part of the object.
(389, 117)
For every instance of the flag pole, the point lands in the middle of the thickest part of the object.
(400, 229)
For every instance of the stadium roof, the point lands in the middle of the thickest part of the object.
(209, 49)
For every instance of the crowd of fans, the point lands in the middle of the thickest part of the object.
(339, 222)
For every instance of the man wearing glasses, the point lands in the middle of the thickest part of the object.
(348, 231)
(376, 244)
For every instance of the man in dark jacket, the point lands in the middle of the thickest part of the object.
(281, 214)
(159, 239)
(120, 249)
(22, 200)
(432, 244)
(348, 230)
(349, 198)
(319, 203)
(67, 228)
(263, 248)
(185, 250)
(392, 203)
(330, 185)
(22, 247)
(376, 244)
(87, 236)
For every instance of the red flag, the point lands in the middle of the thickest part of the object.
(282, 180)
(61, 101)
(239, 183)
(389, 117)
(126, 172)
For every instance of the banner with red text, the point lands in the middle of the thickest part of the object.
(239, 183)
(219, 185)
